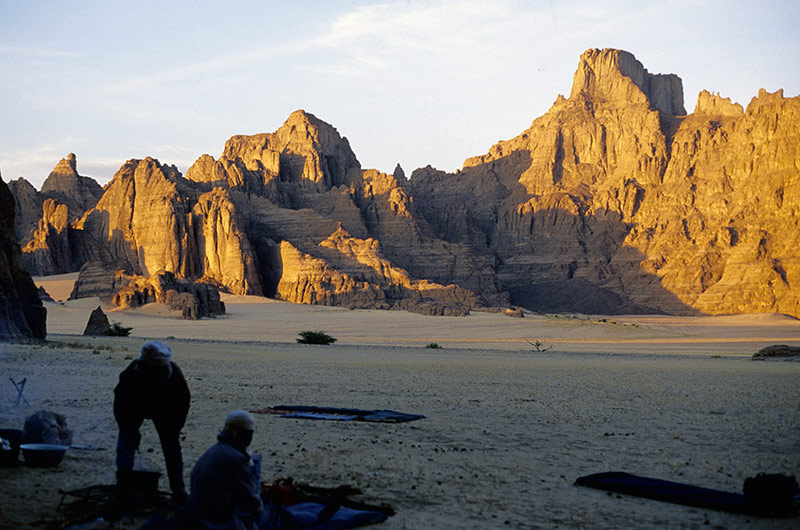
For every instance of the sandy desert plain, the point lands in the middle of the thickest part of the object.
(507, 429)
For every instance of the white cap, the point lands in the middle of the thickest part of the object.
(157, 353)
(240, 419)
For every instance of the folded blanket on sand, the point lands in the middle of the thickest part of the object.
(675, 492)
(307, 412)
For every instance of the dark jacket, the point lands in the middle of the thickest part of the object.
(225, 490)
(152, 392)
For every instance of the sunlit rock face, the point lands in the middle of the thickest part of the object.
(324, 231)
(614, 201)
(615, 187)
(22, 314)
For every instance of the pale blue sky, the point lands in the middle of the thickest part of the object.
(411, 82)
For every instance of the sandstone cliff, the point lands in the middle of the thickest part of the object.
(614, 201)
(614, 188)
(301, 188)
(22, 314)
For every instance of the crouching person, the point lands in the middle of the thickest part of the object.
(226, 483)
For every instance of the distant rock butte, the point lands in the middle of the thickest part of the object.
(614, 201)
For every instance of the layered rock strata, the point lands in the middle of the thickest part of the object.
(614, 201)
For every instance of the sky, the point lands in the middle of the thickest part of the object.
(408, 82)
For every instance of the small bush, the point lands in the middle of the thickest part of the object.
(315, 337)
(433, 346)
(539, 346)
(118, 330)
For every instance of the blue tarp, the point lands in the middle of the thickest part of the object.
(334, 413)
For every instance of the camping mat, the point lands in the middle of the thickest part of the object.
(339, 414)
(664, 490)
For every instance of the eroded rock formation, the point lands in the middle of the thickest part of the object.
(614, 201)
(98, 324)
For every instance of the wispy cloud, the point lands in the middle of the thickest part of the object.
(35, 52)
(368, 38)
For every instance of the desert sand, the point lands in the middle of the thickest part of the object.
(507, 429)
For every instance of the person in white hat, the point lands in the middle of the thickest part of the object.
(226, 482)
(153, 387)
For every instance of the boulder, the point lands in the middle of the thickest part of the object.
(777, 351)
(98, 324)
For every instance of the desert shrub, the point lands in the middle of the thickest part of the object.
(539, 346)
(315, 337)
(118, 330)
(433, 346)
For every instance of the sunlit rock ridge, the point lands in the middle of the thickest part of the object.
(614, 201)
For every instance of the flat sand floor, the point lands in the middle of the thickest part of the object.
(507, 429)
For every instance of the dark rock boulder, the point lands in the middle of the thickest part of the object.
(777, 351)
(98, 324)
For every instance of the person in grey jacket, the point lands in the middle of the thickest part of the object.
(226, 482)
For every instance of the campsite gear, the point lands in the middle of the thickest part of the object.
(283, 492)
(10, 456)
(20, 386)
(86, 447)
(771, 494)
(46, 427)
(340, 495)
(674, 492)
(43, 455)
(136, 481)
(87, 505)
(340, 414)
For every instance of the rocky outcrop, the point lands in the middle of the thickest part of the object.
(98, 324)
(715, 105)
(27, 208)
(22, 314)
(615, 76)
(48, 250)
(66, 186)
(193, 299)
(614, 201)
(615, 197)
(777, 351)
(100, 280)
(228, 258)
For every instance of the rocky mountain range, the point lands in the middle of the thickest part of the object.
(614, 201)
